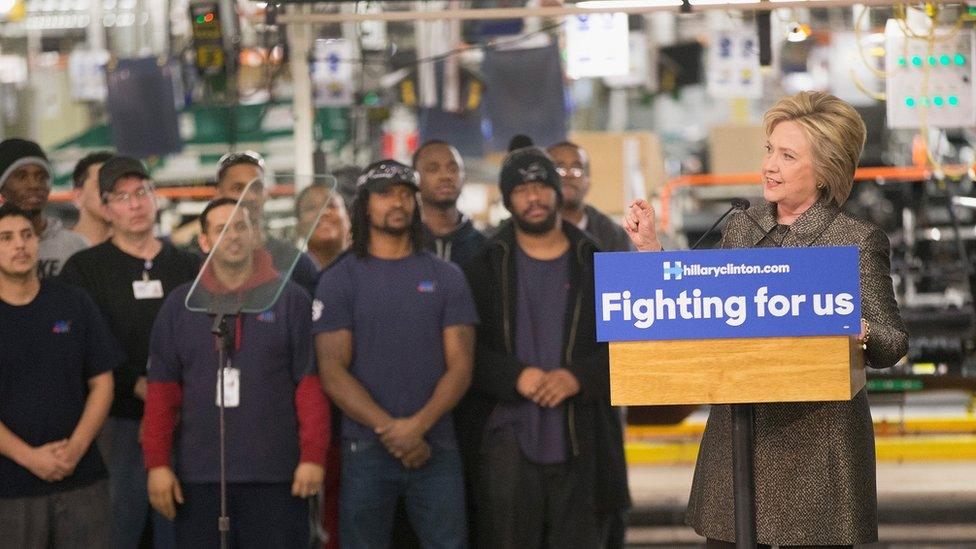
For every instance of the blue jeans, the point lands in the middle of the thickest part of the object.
(119, 444)
(372, 480)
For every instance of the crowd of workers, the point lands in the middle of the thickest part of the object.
(428, 384)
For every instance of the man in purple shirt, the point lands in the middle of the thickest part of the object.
(395, 343)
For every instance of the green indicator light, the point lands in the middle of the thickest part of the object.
(917, 61)
(200, 19)
(932, 60)
(953, 100)
(371, 99)
(944, 60)
(910, 102)
(959, 59)
(938, 100)
(901, 62)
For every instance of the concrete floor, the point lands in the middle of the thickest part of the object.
(920, 505)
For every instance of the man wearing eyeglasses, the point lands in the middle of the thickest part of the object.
(573, 167)
(25, 182)
(128, 276)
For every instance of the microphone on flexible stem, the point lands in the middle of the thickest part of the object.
(737, 204)
(755, 223)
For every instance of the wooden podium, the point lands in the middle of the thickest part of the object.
(740, 372)
(787, 358)
(730, 371)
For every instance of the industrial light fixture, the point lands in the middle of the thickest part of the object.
(798, 32)
(611, 4)
(7, 6)
(621, 4)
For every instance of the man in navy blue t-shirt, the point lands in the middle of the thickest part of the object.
(277, 420)
(395, 340)
(56, 361)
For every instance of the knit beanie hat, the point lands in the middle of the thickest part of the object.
(526, 163)
(15, 153)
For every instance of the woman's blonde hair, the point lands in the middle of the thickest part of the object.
(836, 133)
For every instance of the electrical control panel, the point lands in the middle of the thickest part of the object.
(929, 82)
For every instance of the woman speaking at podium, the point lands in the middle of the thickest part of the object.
(814, 461)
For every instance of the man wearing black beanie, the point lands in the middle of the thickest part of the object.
(25, 182)
(542, 446)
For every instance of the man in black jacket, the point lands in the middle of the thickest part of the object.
(447, 232)
(538, 433)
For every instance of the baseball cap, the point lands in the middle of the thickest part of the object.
(116, 168)
(379, 176)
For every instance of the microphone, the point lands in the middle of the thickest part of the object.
(737, 204)
(740, 204)
(762, 231)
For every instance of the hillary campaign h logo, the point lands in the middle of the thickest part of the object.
(676, 271)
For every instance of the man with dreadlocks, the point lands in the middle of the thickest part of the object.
(395, 344)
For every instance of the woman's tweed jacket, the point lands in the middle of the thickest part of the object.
(814, 462)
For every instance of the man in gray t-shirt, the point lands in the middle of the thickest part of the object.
(25, 181)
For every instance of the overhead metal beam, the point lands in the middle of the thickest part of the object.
(521, 13)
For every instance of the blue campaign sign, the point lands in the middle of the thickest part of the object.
(749, 292)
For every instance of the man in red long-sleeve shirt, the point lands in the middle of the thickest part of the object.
(276, 414)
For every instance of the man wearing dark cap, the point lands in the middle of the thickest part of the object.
(25, 181)
(394, 340)
(540, 438)
(128, 276)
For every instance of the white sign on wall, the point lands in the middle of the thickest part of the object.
(733, 65)
(597, 45)
(332, 76)
(13, 70)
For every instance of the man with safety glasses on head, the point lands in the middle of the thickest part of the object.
(235, 171)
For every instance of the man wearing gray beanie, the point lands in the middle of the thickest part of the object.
(25, 182)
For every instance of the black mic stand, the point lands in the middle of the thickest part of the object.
(219, 329)
(743, 440)
(737, 204)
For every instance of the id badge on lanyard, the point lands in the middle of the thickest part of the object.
(147, 289)
(232, 387)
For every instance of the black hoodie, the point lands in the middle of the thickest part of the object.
(458, 246)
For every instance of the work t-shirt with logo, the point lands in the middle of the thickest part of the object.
(397, 311)
(272, 350)
(108, 275)
(49, 349)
